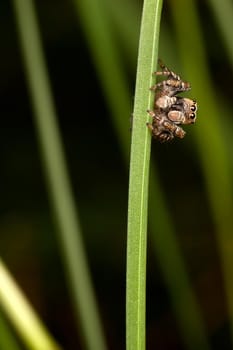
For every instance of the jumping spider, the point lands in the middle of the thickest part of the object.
(169, 109)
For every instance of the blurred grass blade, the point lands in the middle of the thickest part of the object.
(139, 175)
(56, 174)
(187, 310)
(223, 12)
(126, 30)
(96, 25)
(7, 339)
(21, 314)
(209, 136)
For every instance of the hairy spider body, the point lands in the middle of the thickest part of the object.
(169, 109)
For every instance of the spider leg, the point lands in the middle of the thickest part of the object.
(150, 126)
(166, 71)
(174, 129)
(162, 65)
(158, 85)
(151, 113)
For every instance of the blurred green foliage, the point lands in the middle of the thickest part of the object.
(195, 174)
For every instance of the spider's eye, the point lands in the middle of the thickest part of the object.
(192, 115)
(193, 108)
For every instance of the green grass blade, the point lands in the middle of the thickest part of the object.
(184, 302)
(96, 25)
(21, 314)
(127, 31)
(223, 12)
(7, 338)
(56, 174)
(214, 156)
(139, 174)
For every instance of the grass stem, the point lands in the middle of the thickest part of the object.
(59, 187)
(139, 177)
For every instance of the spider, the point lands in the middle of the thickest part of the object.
(169, 109)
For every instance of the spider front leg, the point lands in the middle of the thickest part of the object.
(166, 71)
(174, 129)
(159, 133)
(169, 74)
(172, 85)
(162, 128)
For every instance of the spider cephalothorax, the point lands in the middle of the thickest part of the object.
(183, 111)
(169, 109)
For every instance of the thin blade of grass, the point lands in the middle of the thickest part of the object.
(7, 339)
(184, 302)
(139, 175)
(59, 188)
(97, 28)
(223, 12)
(209, 136)
(21, 314)
(126, 30)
